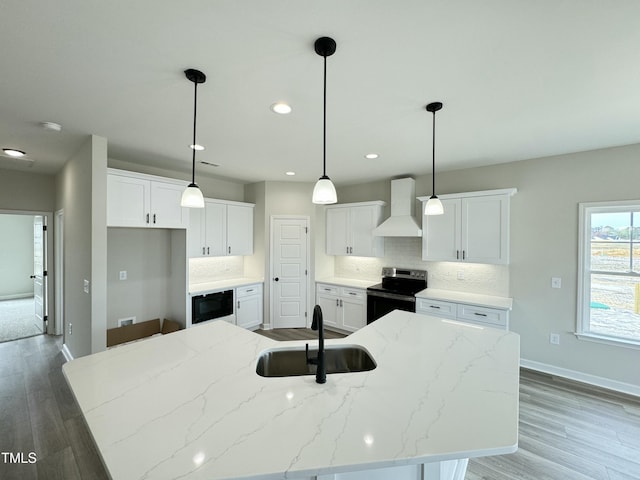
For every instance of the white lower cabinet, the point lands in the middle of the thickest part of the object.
(343, 308)
(249, 306)
(484, 316)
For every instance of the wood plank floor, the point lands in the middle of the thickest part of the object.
(567, 430)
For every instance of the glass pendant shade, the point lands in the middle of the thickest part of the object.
(324, 193)
(192, 197)
(433, 206)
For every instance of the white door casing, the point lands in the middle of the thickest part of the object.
(289, 271)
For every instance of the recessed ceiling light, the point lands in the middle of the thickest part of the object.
(290, 173)
(12, 152)
(371, 156)
(281, 108)
(196, 147)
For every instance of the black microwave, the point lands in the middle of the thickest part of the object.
(211, 306)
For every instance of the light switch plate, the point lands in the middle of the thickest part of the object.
(556, 282)
(86, 286)
(123, 275)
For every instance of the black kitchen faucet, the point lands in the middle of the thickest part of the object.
(318, 324)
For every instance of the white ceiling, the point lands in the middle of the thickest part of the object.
(518, 78)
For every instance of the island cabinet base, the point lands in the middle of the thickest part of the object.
(445, 470)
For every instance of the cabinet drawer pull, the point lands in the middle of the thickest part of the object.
(250, 290)
(352, 293)
(434, 306)
(480, 314)
(327, 289)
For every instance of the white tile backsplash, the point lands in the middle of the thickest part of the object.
(202, 270)
(406, 252)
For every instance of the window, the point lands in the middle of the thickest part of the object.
(609, 272)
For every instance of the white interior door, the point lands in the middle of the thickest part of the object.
(289, 271)
(40, 271)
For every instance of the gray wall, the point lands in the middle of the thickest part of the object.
(16, 256)
(27, 191)
(544, 244)
(81, 188)
(144, 253)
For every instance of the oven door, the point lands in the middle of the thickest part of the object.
(213, 306)
(381, 303)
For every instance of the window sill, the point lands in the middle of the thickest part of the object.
(615, 341)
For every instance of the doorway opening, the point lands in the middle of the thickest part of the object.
(23, 275)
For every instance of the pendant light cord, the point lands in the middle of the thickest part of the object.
(193, 147)
(324, 122)
(433, 156)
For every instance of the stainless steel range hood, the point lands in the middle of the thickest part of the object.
(401, 223)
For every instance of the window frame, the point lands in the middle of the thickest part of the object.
(583, 321)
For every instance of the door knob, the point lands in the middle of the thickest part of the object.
(276, 279)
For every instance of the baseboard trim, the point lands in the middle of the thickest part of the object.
(65, 351)
(582, 377)
(17, 296)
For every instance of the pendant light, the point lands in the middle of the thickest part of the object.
(192, 196)
(324, 192)
(434, 205)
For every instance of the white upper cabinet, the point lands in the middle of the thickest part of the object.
(221, 228)
(474, 228)
(350, 229)
(138, 200)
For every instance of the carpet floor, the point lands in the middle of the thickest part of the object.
(17, 319)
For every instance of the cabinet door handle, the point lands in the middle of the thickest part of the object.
(154, 218)
(208, 250)
(340, 302)
(457, 254)
(204, 250)
(337, 302)
(276, 279)
(147, 218)
(480, 314)
(229, 248)
(463, 254)
(238, 304)
(350, 249)
(347, 250)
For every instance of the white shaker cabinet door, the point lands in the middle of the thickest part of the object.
(215, 224)
(239, 230)
(166, 210)
(441, 233)
(485, 225)
(337, 231)
(128, 201)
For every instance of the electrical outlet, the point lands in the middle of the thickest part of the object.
(71, 329)
(556, 282)
(460, 275)
(554, 338)
(86, 286)
(123, 275)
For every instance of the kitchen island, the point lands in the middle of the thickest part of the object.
(190, 405)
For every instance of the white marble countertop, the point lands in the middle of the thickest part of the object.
(215, 285)
(502, 303)
(189, 404)
(347, 282)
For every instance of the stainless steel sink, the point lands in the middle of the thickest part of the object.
(289, 362)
